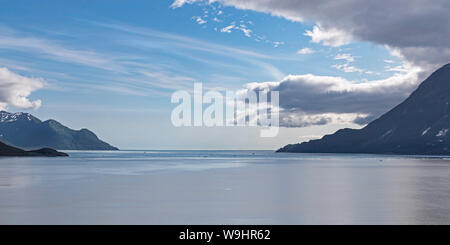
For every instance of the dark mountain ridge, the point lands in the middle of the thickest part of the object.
(9, 151)
(418, 125)
(28, 132)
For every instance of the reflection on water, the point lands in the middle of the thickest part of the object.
(224, 187)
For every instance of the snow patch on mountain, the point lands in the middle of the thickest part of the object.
(12, 117)
(426, 131)
(442, 132)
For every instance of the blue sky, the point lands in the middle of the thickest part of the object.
(111, 66)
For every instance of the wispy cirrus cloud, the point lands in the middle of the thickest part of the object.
(133, 73)
(184, 41)
(169, 41)
(51, 49)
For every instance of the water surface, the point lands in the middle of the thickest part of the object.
(224, 187)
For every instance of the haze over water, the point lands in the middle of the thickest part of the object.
(224, 187)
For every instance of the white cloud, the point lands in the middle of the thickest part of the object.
(277, 44)
(180, 3)
(329, 36)
(346, 57)
(305, 51)
(372, 72)
(347, 68)
(316, 100)
(15, 89)
(227, 29)
(417, 29)
(399, 68)
(199, 20)
(416, 32)
(247, 32)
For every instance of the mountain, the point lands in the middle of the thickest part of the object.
(419, 125)
(6, 150)
(25, 131)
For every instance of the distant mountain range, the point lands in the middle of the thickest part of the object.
(25, 131)
(419, 125)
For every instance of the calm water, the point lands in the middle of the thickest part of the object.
(224, 187)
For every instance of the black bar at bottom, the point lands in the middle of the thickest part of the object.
(223, 234)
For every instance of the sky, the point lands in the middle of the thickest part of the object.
(112, 66)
